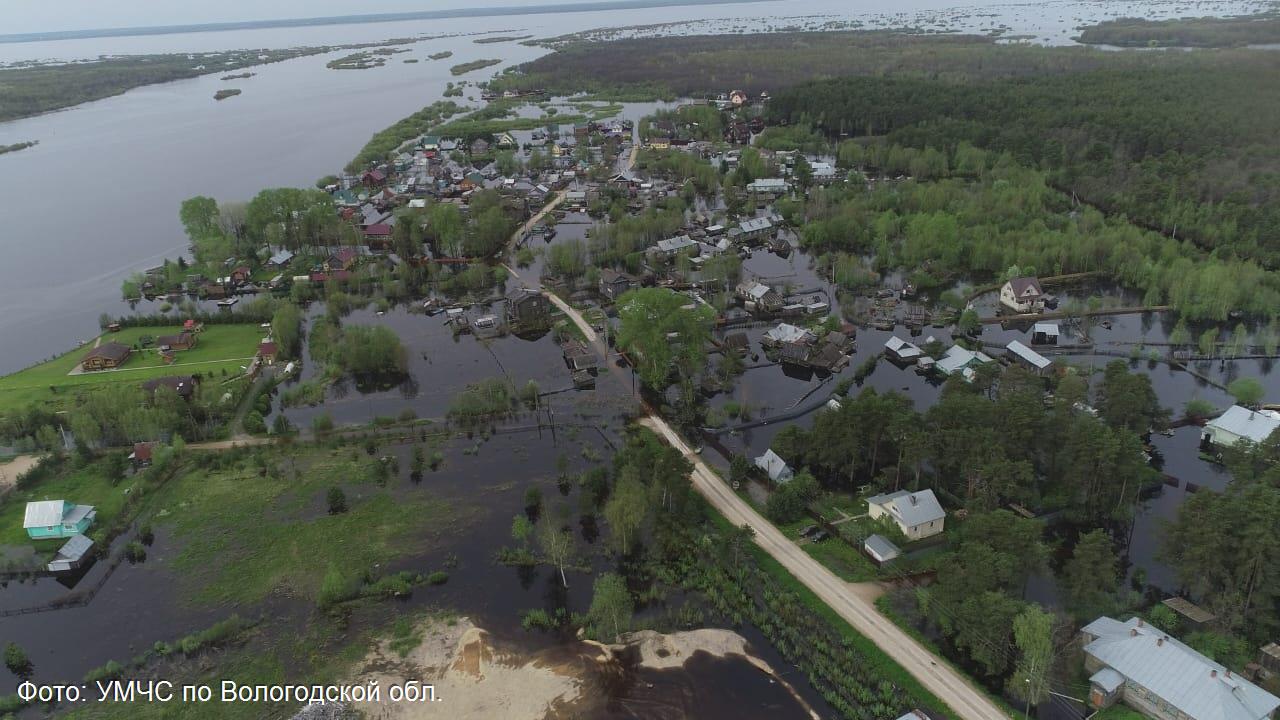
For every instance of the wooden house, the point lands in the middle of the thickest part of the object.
(106, 356)
(182, 341)
(528, 309)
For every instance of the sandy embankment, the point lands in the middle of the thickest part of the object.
(475, 679)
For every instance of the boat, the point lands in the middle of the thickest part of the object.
(228, 302)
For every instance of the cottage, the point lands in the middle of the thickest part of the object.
(528, 309)
(917, 514)
(46, 519)
(267, 352)
(775, 467)
(1045, 333)
(182, 341)
(1240, 423)
(72, 554)
(1143, 667)
(142, 454)
(613, 283)
(106, 356)
(183, 385)
(895, 348)
(1022, 295)
(280, 259)
(880, 549)
(760, 297)
(344, 259)
(1028, 358)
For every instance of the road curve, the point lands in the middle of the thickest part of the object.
(940, 678)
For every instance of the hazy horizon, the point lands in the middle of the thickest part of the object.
(33, 16)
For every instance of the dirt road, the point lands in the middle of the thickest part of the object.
(853, 606)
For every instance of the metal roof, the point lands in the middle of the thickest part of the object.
(74, 548)
(902, 347)
(755, 225)
(1107, 679)
(774, 466)
(1195, 685)
(911, 508)
(44, 513)
(880, 546)
(787, 333)
(1048, 328)
(1243, 422)
(676, 243)
(1031, 356)
(958, 358)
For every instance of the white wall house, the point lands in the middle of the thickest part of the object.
(918, 514)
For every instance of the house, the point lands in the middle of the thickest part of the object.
(917, 514)
(240, 275)
(183, 385)
(898, 349)
(182, 341)
(880, 549)
(761, 297)
(1022, 295)
(479, 146)
(374, 178)
(1045, 333)
(105, 356)
(1143, 667)
(1240, 423)
(736, 343)
(823, 173)
(738, 98)
(47, 519)
(787, 334)
(754, 228)
(915, 715)
(660, 143)
(378, 234)
(962, 360)
(280, 259)
(775, 467)
(768, 186)
(528, 309)
(344, 259)
(142, 454)
(72, 554)
(671, 247)
(613, 283)
(267, 352)
(1028, 358)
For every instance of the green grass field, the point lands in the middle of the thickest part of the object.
(220, 347)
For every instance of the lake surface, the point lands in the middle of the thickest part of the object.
(98, 198)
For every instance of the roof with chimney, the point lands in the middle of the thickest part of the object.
(912, 508)
(1197, 686)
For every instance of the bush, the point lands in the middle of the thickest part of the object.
(15, 658)
(438, 577)
(337, 500)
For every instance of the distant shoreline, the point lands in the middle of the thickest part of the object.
(360, 19)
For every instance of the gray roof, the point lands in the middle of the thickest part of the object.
(1182, 677)
(77, 513)
(787, 333)
(1031, 356)
(911, 508)
(1048, 328)
(755, 225)
(881, 547)
(74, 548)
(1107, 679)
(44, 513)
(676, 244)
(1246, 423)
(901, 347)
(774, 466)
(1024, 287)
(957, 358)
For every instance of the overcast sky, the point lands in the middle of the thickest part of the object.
(27, 16)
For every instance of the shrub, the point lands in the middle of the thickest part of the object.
(438, 577)
(15, 658)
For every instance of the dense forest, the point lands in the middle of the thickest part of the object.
(1184, 143)
(1185, 32)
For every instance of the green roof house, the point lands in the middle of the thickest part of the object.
(49, 519)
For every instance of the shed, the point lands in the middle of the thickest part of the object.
(1269, 657)
(898, 349)
(1045, 333)
(72, 554)
(1028, 358)
(880, 548)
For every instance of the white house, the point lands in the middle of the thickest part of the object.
(918, 514)
(1151, 672)
(1240, 423)
(768, 186)
(1022, 295)
(775, 467)
(963, 361)
(901, 350)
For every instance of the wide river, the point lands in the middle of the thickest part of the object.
(98, 198)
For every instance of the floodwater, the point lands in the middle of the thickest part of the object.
(98, 198)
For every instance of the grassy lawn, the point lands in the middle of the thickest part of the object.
(220, 347)
(83, 486)
(246, 536)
